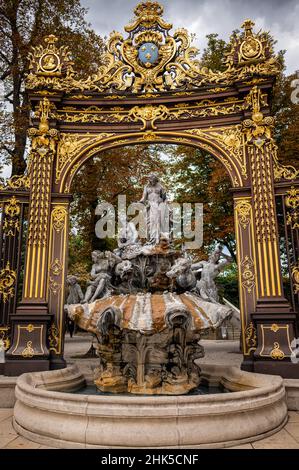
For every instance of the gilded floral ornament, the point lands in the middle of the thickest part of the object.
(151, 60)
(53, 338)
(250, 336)
(7, 282)
(48, 65)
(243, 211)
(149, 114)
(12, 211)
(247, 273)
(292, 205)
(258, 129)
(44, 139)
(17, 182)
(276, 352)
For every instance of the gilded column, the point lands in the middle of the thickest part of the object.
(274, 322)
(29, 349)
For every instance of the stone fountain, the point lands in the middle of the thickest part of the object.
(146, 307)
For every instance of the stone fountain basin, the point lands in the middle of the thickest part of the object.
(46, 412)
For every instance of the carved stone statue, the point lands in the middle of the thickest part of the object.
(100, 275)
(154, 197)
(182, 273)
(147, 309)
(75, 294)
(210, 269)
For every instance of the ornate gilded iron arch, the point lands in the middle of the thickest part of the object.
(151, 87)
(234, 161)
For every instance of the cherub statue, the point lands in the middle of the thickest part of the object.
(75, 292)
(100, 275)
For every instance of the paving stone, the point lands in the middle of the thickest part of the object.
(293, 417)
(6, 428)
(6, 440)
(5, 413)
(21, 443)
(293, 430)
(280, 440)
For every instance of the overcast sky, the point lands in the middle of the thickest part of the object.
(202, 17)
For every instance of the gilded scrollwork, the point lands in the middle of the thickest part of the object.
(56, 267)
(53, 337)
(54, 286)
(59, 217)
(149, 114)
(70, 145)
(247, 274)
(292, 205)
(28, 351)
(11, 225)
(231, 142)
(258, 129)
(17, 182)
(8, 279)
(243, 211)
(181, 111)
(276, 352)
(250, 336)
(151, 60)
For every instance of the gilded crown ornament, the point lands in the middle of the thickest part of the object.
(151, 60)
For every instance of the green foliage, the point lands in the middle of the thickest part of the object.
(23, 24)
(227, 283)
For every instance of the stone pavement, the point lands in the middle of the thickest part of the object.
(219, 352)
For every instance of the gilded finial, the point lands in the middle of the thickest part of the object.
(248, 26)
(51, 39)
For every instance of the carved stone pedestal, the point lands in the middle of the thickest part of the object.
(28, 351)
(275, 353)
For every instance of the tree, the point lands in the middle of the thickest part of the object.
(121, 171)
(286, 121)
(198, 177)
(23, 24)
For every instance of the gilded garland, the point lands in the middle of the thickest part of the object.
(151, 60)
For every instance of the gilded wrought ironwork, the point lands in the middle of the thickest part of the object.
(28, 351)
(56, 267)
(53, 338)
(292, 204)
(277, 353)
(250, 336)
(30, 328)
(152, 60)
(54, 286)
(11, 223)
(70, 145)
(59, 215)
(247, 273)
(8, 279)
(17, 182)
(243, 210)
(149, 114)
(258, 129)
(47, 64)
(182, 111)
